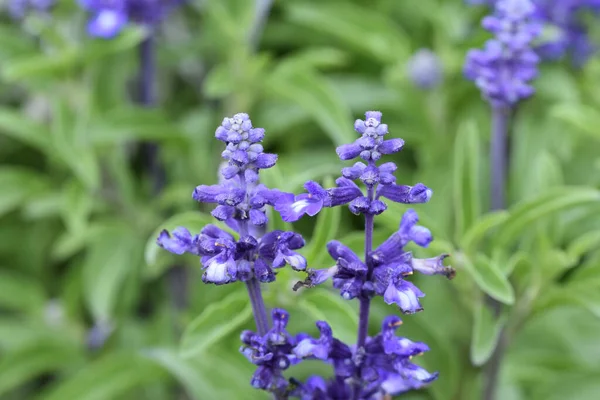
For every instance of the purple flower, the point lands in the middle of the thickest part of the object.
(272, 353)
(351, 272)
(566, 32)
(109, 17)
(244, 151)
(226, 260)
(425, 69)
(181, 242)
(292, 208)
(381, 368)
(405, 194)
(504, 68)
(371, 145)
(404, 294)
(277, 247)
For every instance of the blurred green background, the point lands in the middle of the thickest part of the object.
(91, 309)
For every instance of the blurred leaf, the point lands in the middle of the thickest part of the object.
(67, 59)
(77, 205)
(324, 305)
(585, 243)
(372, 34)
(107, 378)
(573, 386)
(18, 127)
(525, 214)
(23, 365)
(581, 295)
(481, 228)
(185, 372)
(488, 277)
(114, 253)
(467, 164)
(19, 292)
(316, 96)
(217, 321)
(18, 185)
(194, 221)
(583, 118)
(486, 332)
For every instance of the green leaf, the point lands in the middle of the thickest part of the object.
(108, 378)
(481, 228)
(114, 253)
(19, 185)
(316, 96)
(55, 63)
(217, 321)
(488, 277)
(324, 305)
(583, 118)
(157, 258)
(18, 292)
(585, 243)
(486, 332)
(467, 164)
(18, 127)
(26, 363)
(190, 377)
(372, 34)
(547, 171)
(526, 214)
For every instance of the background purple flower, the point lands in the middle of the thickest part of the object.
(506, 65)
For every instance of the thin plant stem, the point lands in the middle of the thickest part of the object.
(499, 157)
(365, 302)
(498, 173)
(253, 285)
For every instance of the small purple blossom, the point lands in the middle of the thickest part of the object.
(390, 265)
(382, 367)
(425, 69)
(109, 17)
(226, 260)
(292, 208)
(504, 68)
(272, 353)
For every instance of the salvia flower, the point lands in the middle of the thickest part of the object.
(505, 67)
(109, 17)
(425, 69)
(240, 202)
(565, 31)
(383, 367)
(272, 353)
(379, 178)
(391, 264)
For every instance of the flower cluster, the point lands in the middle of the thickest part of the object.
(109, 17)
(389, 265)
(241, 203)
(382, 367)
(567, 33)
(373, 367)
(17, 9)
(379, 180)
(504, 68)
(272, 353)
